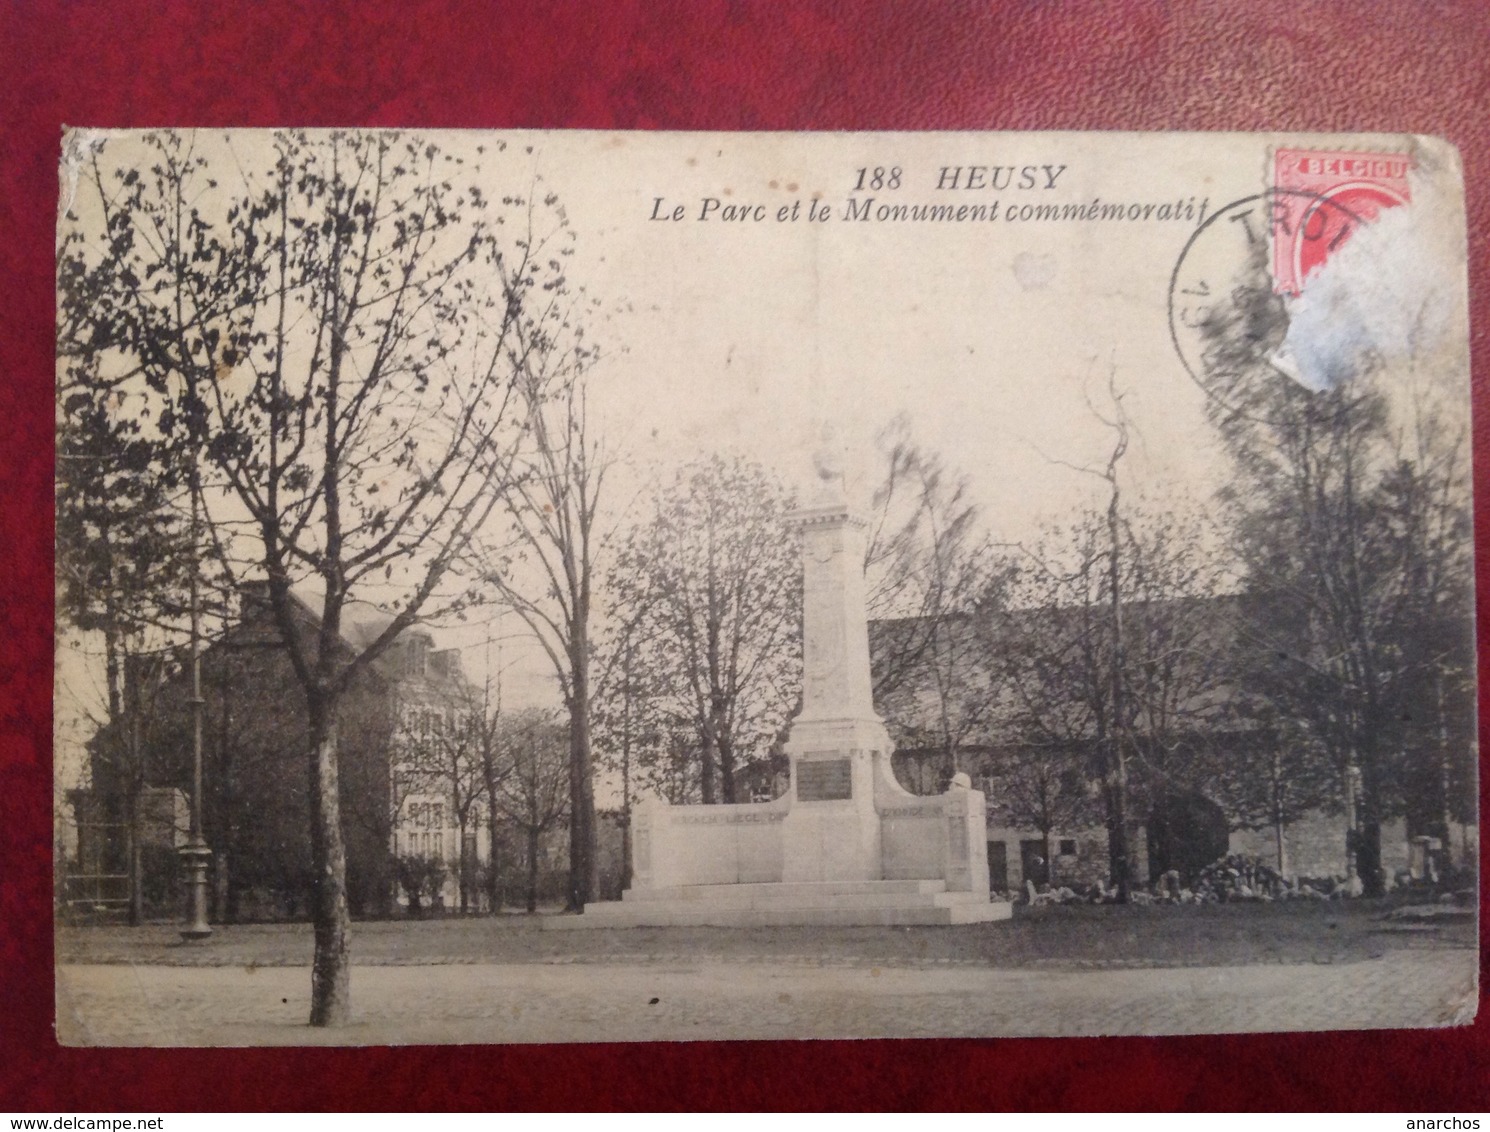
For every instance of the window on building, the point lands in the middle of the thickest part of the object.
(416, 656)
(426, 723)
(1068, 847)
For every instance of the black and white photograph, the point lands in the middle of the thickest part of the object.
(579, 586)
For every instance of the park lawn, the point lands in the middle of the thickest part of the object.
(1073, 936)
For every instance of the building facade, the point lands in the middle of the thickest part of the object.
(395, 803)
(1020, 700)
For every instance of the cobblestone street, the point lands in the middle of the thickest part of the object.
(665, 1001)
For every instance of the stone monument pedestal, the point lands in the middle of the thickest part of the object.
(887, 903)
(846, 844)
(832, 831)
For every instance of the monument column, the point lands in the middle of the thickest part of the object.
(837, 742)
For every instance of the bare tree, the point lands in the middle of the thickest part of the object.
(928, 566)
(483, 722)
(547, 572)
(624, 722)
(535, 796)
(714, 651)
(1114, 753)
(1112, 642)
(328, 328)
(1057, 653)
(923, 557)
(444, 757)
(1042, 786)
(1276, 772)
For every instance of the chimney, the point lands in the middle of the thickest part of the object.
(445, 663)
(253, 599)
(416, 652)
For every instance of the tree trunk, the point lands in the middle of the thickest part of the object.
(1117, 837)
(726, 767)
(532, 869)
(131, 857)
(493, 876)
(1278, 835)
(1117, 769)
(583, 866)
(463, 864)
(626, 772)
(1281, 843)
(944, 712)
(1445, 772)
(1368, 856)
(626, 847)
(134, 858)
(331, 972)
(707, 791)
(1368, 847)
(132, 852)
(1368, 821)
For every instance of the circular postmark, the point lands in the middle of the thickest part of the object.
(1227, 316)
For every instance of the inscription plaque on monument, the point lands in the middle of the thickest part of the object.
(830, 781)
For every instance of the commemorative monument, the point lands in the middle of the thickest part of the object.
(846, 844)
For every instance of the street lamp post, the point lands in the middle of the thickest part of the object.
(194, 854)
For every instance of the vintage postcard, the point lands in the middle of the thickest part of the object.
(582, 586)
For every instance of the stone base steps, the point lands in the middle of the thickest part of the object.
(826, 903)
(808, 891)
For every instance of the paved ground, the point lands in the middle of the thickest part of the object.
(1215, 935)
(670, 1001)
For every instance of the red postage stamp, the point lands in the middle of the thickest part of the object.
(1321, 197)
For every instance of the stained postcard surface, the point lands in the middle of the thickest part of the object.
(897, 584)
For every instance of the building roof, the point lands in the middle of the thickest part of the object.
(362, 623)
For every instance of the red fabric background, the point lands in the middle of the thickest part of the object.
(682, 64)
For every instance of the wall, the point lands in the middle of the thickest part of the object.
(934, 838)
(1315, 845)
(728, 844)
(1079, 870)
